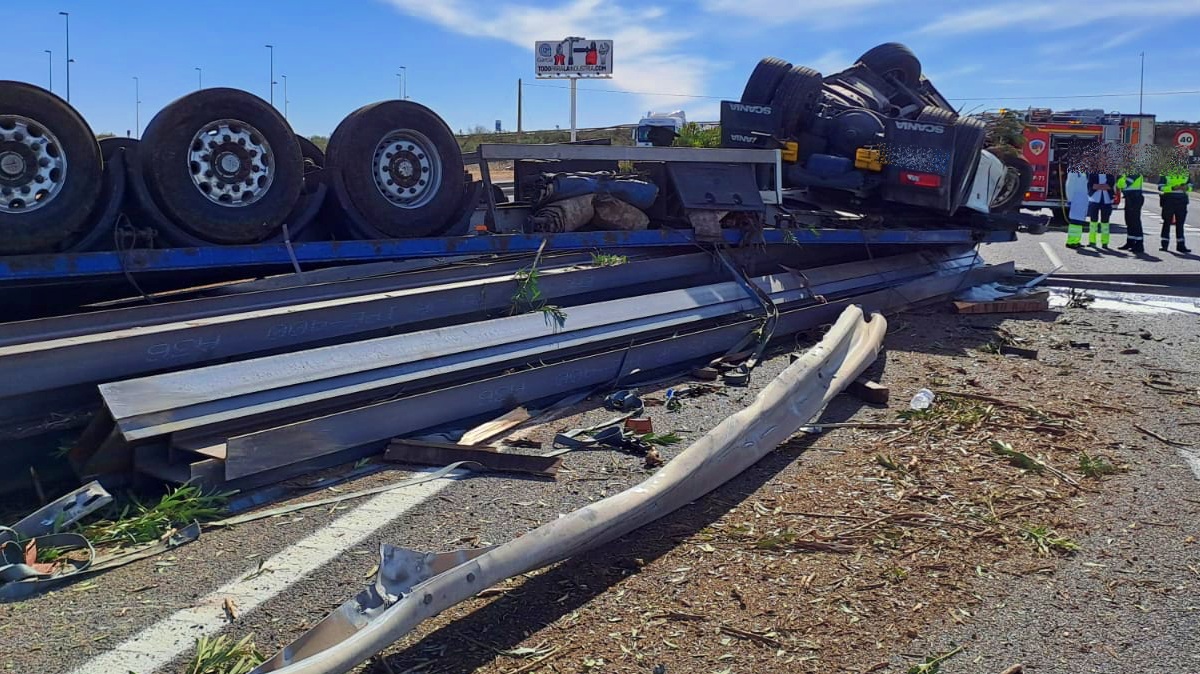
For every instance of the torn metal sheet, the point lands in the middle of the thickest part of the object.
(360, 630)
(64, 511)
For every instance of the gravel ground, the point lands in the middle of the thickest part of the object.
(1073, 616)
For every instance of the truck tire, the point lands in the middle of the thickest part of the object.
(1016, 182)
(50, 168)
(401, 165)
(763, 81)
(969, 136)
(314, 158)
(936, 116)
(895, 60)
(111, 146)
(795, 97)
(223, 165)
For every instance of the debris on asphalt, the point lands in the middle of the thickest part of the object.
(404, 450)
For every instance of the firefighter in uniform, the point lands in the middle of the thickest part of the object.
(1173, 187)
(1101, 189)
(1130, 185)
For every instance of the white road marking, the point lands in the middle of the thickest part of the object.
(1192, 458)
(162, 642)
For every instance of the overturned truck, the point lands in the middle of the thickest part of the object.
(877, 137)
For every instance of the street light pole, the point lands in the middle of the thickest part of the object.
(1142, 83)
(285, 98)
(199, 78)
(137, 108)
(399, 86)
(404, 83)
(50, 58)
(271, 47)
(67, 16)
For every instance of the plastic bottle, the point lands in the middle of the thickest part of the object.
(922, 400)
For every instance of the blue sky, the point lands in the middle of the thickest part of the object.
(463, 57)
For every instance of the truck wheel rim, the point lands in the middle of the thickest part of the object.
(407, 168)
(33, 166)
(1008, 186)
(231, 163)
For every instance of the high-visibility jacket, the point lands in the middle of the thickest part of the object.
(1175, 182)
(1130, 183)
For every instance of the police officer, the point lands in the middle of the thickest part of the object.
(1174, 185)
(1101, 189)
(1130, 185)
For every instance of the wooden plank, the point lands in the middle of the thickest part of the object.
(443, 453)
(868, 391)
(502, 424)
(1036, 302)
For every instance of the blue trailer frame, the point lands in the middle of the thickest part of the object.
(66, 267)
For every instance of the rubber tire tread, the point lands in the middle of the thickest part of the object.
(313, 157)
(767, 75)
(352, 148)
(1025, 170)
(61, 220)
(110, 146)
(795, 97)
(164, 150)
(969, 136)
(894, 58)
(936, 115)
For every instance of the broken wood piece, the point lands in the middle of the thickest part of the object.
(868, 391)
(502, 424)
(1036, 302)
(231, 613)
(1015, 669)
(441, 453)
(1160, 438)
(1006, 350)
(639, 425)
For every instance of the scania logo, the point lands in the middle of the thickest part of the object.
(756, 109)
(917, 126)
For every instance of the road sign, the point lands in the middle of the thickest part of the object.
(573, 57)
(1186, 139)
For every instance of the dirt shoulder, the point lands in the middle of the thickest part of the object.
(872, 550)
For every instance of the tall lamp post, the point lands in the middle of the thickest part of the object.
(67, 16)
(285, 98)
(199, 78)
(271, 48)
(137, 108)
(50, 58)
(404, 84)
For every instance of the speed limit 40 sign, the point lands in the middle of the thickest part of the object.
(1186, 139)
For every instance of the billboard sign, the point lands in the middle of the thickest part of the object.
(573, 57)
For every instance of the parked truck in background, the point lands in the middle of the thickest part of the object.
(658, 129)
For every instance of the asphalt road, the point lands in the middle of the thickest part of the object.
(1027, 251)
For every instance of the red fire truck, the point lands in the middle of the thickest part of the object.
(1051, 137)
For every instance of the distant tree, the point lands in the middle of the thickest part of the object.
(320, 141)
(106, 134)
(1006, 133)
(693, 135)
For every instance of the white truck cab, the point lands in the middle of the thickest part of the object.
(649, 130)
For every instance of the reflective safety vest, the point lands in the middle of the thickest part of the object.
(1130, 184)
(1178, 182)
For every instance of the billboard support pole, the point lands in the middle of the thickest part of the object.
(519, 88)
(574, 81)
